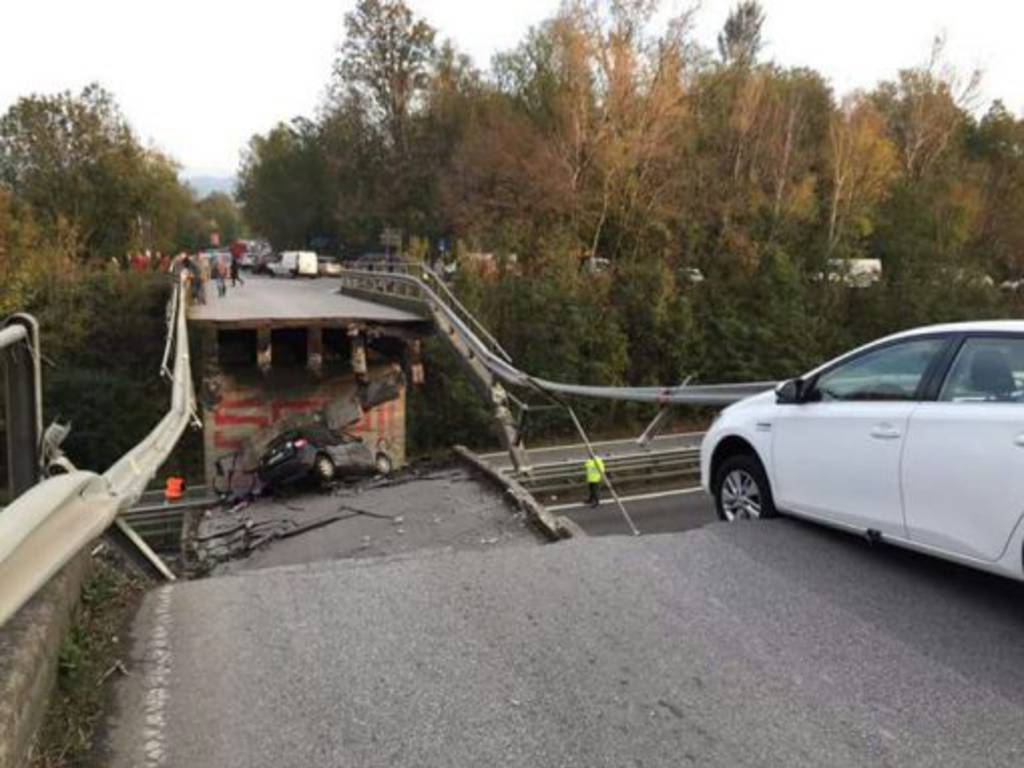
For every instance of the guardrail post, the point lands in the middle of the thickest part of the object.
(24, 407)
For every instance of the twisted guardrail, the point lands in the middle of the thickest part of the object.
(419, 282)
(45, 527)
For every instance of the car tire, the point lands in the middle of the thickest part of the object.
(742, 491)
(324, 468)
(383, 464)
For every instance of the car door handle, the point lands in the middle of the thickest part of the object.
(1019, 440)
(885, 432)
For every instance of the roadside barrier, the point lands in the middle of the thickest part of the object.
(41, 530)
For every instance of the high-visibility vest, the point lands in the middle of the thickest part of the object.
(175, 488)
(595, 469)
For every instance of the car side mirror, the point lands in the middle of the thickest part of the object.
(789, 392)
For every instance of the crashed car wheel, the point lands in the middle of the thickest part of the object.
(383, 463)
(324, 468)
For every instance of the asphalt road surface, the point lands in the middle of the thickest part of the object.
(658, 512)
(755, 644)
(280, 299)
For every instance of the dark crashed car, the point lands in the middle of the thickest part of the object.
(321, 454)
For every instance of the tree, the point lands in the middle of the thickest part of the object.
(385, 63)
(739, 42)
(863, 163)
(221, 210)
(74, 159)
(281, 184)
(925, 107)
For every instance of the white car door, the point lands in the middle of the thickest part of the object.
(837, 454)
(963, 469)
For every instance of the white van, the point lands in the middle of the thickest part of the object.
(295, 263)
(307, 264)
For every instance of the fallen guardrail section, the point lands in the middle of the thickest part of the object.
(45, 527)
(407, 283)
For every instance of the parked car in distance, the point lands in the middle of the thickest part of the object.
(294, 264)
(319, 453)
(916, 439)
(329, 266)
(280, 267)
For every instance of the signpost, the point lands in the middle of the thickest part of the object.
(391, 238)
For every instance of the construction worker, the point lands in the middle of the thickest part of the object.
(594, 467)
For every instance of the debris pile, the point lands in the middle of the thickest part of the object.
(419, 508)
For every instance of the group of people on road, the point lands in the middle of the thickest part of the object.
(203, 267)
(142, 261)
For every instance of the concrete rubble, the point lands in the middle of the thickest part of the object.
(433, 508)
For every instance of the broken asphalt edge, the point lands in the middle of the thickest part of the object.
(552, 526)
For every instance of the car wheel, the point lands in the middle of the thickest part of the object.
(324, 468)
(383, 464)
(742, 491)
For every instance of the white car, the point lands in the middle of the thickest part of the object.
(329, 266)
(916, 439)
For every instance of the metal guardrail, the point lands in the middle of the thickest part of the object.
(45, 527)
(19, 351)
(159, 522)
(628, 470)
(411, 281)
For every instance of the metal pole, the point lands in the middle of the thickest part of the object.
(19, 340)
(604, 475)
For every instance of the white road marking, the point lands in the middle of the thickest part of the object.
(640, 497)
(158, 679)
(548, 449)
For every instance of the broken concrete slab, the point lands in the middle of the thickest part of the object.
(439, 509)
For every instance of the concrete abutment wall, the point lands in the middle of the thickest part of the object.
(257, 382)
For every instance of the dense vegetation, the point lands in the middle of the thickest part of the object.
(603, 135)
(77, 189)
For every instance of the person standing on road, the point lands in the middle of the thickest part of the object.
(236, 278)
(220, 271)
(237, 250)
(594, 467)
(194, 279)
(203, 261)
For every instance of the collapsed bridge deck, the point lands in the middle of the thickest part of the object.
(278, 352)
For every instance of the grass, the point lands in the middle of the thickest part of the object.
(89, 662)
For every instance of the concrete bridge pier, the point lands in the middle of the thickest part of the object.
(280, 353)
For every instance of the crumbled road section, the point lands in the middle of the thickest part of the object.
(415, 510)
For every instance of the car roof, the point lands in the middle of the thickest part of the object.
(974, 326)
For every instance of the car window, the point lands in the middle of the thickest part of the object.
(891, 373)
(986, 371)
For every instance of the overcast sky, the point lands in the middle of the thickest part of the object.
(198, 77)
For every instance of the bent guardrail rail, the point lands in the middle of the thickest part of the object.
(411, 281)
(45, 527)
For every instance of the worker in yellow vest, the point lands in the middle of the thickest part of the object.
(594, 466)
